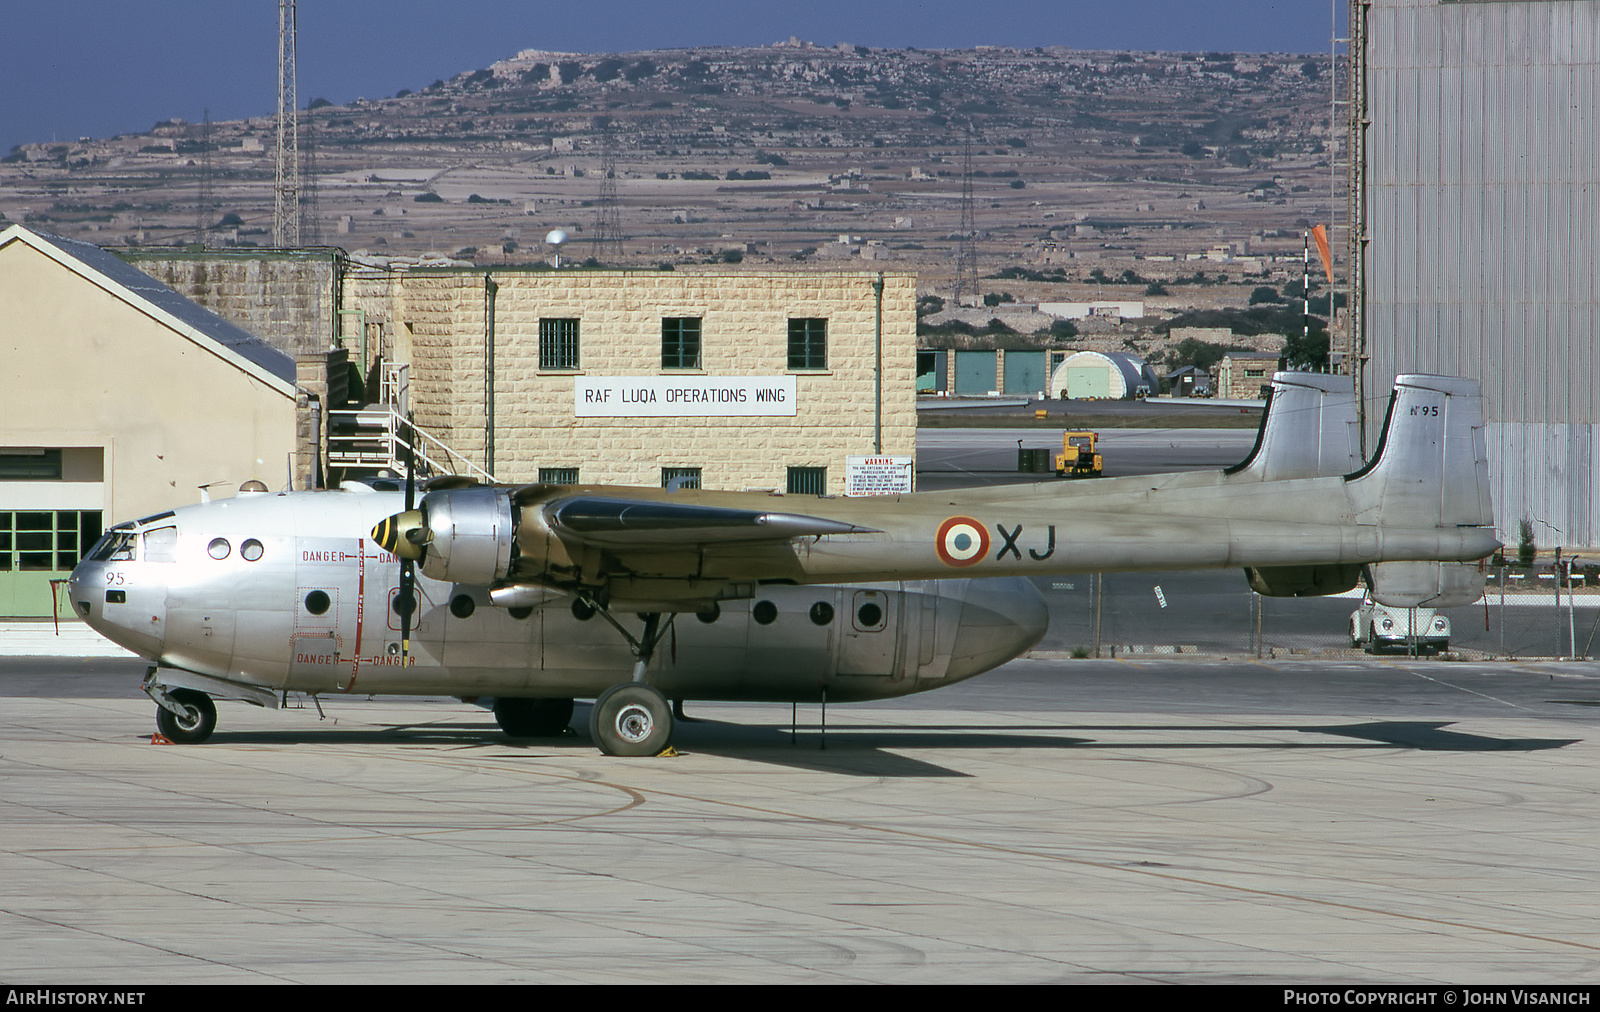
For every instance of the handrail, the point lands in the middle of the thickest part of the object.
(432, 453)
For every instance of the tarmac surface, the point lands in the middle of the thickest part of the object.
(1170, 820)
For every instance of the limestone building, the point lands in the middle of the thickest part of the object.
(732, 379)
(1246, 375)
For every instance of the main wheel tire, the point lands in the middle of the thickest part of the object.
(532, 718)
(631, 720)
(196, 725)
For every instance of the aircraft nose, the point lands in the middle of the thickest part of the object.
(1000, 618)
(78, 590)
(130, 614)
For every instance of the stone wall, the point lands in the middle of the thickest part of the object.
(288, 300)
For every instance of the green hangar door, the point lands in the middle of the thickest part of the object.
(1025, 373)
(1088, 382)
(975, 373)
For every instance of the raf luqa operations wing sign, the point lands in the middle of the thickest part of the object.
(682, 396)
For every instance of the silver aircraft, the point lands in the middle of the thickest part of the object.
(539, 595)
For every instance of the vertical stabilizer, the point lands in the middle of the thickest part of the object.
(1431, 468)
(1309, 430)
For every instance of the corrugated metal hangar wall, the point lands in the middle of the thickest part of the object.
(1478, 174)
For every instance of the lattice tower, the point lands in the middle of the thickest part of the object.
(607, 243)
(967, 247)
(286, 188)
(205, 200)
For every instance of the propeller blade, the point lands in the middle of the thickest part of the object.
(407, 599)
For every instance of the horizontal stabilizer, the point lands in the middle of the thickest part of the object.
(1425, 584)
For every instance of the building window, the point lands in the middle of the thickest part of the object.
(558, 344)
(558, 476)
(46, 540)
(808, 481)
(30, 465)
(680, 342)
(687, 477)
(808, 344)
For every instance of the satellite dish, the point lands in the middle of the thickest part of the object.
(556, 237)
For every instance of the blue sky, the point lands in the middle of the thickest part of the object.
(71, 68)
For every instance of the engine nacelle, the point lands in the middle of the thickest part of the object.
(1302, 581)
(471, 535)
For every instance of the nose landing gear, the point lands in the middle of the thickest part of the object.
(184, 716)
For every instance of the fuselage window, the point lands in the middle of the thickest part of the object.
(869, 615)
(317, 602)
(219, 548)
(765, 612)
(821, 613)
(462, 606)
(250, 550)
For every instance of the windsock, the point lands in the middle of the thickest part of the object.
(1320, 234)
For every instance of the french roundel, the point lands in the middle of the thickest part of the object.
(961, 541)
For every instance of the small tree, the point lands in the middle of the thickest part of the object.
(1306, 351)
(1525, 549)
(1063, 330)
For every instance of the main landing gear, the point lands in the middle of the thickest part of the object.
(632, 718)
(532, 718)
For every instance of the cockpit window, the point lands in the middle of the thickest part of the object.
(116, 546)
(161, 545)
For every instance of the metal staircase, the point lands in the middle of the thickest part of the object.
(378, 438)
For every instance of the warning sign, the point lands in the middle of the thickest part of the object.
(877, 475)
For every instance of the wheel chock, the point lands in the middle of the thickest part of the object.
(160, 739)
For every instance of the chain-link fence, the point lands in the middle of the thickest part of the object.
(1114, 614)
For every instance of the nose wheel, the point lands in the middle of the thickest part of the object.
(192, 719)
